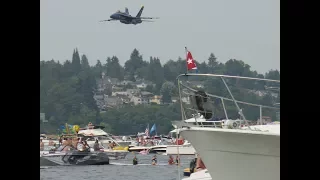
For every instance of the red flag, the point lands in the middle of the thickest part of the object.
(190, 61)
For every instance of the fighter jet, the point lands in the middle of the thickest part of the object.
(126, 18)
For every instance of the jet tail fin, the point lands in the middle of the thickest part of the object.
(140, 12)
(127, 11)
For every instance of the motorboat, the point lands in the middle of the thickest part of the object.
(182, 149)
(104, 139)
(237, 149)
(72, 157)
(185, 149)
(123, 141)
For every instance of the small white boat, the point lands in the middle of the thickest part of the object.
(183, 149)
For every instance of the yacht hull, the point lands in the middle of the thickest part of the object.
(230, 154)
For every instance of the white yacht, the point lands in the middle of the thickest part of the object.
(236, 151)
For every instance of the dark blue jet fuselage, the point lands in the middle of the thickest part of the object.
(125, 18)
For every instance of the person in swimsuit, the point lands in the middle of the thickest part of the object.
(154, 160)
(177, 160)
(96, 146)
(41, 145)
(170, 161)
(135, 160)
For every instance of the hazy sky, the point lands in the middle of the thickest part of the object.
(247, 30)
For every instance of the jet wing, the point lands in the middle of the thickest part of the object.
(149, 18)
(146, 20)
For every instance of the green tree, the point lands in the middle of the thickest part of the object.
(76, 65)
(135, 62)
(113, 68)
(167, 90)
(84, 62)
(212, 63)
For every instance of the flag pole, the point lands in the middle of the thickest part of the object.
(186, 51)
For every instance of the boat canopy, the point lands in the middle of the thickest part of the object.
(92, 132)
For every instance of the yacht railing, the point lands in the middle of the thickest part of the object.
(232, 99)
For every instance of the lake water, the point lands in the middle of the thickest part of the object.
(120, 170)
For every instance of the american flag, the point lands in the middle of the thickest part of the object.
(147, 131)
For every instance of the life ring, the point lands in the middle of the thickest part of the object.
(234, 125)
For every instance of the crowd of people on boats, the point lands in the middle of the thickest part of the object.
(154, 160)
(152, 141)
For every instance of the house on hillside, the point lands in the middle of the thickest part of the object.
(142, 84)
(146, 94)
(133, 91)
(146, 97)
(125, 93)
(116, 88)
(136, 100)
(124, 98)
(112, 101)
(174, 99)
(156, 99)
(141, 98)
(125, 82)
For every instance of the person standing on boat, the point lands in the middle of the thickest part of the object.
(90, 125)
(41, 145)
(96, 146)
(75, 143)
(135, 160)
(50, 142)
(86, 145)
(60, 141)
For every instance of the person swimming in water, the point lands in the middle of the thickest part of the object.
(177, 160)
(154, 160)
(170, 161)
(135, 160)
